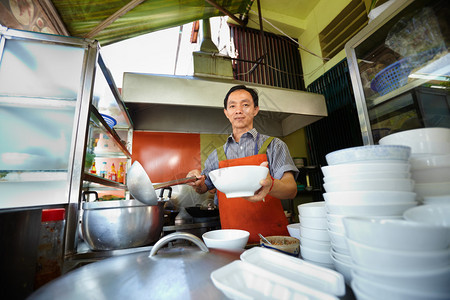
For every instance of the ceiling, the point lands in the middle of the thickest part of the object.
(116, 20)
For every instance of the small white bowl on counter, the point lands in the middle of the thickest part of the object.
(228, 239)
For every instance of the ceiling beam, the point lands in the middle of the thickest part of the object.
(227, 12)
(132, 4)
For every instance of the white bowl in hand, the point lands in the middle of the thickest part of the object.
(238, 181)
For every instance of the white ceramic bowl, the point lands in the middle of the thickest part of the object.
(432, 281)
(239, 181)
(428, 175)
(369, 154)
(313, 244)
(344, 257)
(339, 219)
(343, 267)
(396, 209)
(396, 234)
(422, 140)
(368, 197)
(402, 185)
(294, 230)
(316, 255)
(438, 215)
(328, 266)
(314, 234)
(358, 168)
(432, 189)
(231, 239)
(314, 222)
(338, 239)
(440, 200)
(368, 176)
(336, 227)
(430, 161)
(397, 260)
(340, 250)
(312, 209)
(382, 291)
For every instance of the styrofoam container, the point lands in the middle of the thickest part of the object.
(294, 230)
(367, 175)
(242, 280)
(438, 215)
(296, 269)
(357, 168)
(314, 234)
(421, 140)
(403, 185)
(396, 234)
(368, 197)
(316, 255)
(313, 244)
(314, 222)
(431, 281)
(383, 291)
(396, 209)
(397, 260)
(369, 153)
(312, 209)
(343, 267)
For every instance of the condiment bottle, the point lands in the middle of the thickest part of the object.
(93, 168)
(103, 170)
(113, 173)
(121, 173)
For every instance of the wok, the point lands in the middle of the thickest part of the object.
(141, 187)
(202, 212)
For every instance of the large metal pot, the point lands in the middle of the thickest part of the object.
(110, 225)
(167, 273)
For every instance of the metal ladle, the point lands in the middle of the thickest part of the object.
(141, 187)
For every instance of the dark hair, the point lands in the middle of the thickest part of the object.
(241, 87)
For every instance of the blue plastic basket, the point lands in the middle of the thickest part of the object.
(392, 77)
(396, 75)
(109, 120)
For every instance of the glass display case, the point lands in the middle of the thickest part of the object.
(60, 114)
(400, 69)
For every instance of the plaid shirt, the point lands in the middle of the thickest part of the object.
(278, 156)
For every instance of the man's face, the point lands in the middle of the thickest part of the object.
(241, 110)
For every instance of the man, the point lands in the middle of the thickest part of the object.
(263, 212)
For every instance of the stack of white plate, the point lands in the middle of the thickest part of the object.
(430, 161)
(364, 181)
(401, 259)
(314, 239)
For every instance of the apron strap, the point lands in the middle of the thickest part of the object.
(264, 146)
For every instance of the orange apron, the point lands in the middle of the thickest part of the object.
(267, 217)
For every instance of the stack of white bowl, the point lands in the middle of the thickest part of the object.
(364, 181)
(430, 161)
(401, 259)
(314, 239)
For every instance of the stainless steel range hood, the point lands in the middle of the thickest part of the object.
(195, 105)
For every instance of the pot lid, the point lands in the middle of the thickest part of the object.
(173, 273)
